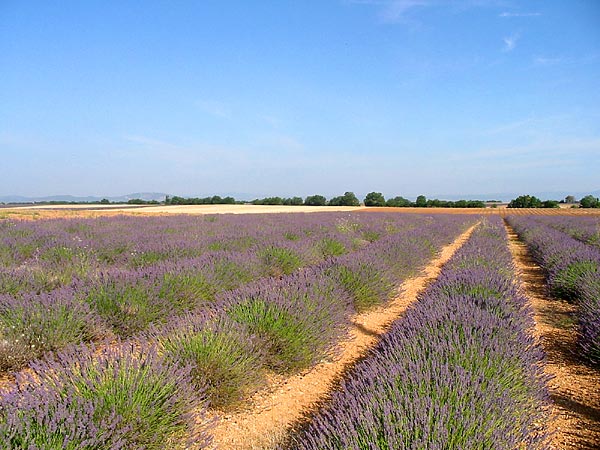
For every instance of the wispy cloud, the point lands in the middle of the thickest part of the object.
(399, 11)
(543, 61)
(214, 108)
(508, 127)
(393, 11)
(517, 14)
(510, 42)
(549, 150)
(572, 60)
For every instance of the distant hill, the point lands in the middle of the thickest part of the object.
(160, 196)
(147, 196)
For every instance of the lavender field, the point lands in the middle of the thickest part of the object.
(567, 250)
(130, 328)
(139, 332)
(461, 370)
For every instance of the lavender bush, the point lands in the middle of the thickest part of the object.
(119, 398)
(298, 319)
(589, 317)
(34, 324)
(573, 273)
(226, 360)
(584, 229)
(453, 373)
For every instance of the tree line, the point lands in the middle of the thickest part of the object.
(372, 199)
(530, 201)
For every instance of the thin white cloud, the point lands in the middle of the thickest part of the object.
(543, 61)
(510, 126)
(572, 60)
(150, 142)
(398, 11)
(534, 125)
(214, 108)
(393, 11)
(549, 150)
(510, 42)
(515, 14)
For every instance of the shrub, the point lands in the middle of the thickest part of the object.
(118, 398)
(566, 282)
(34, 324)
(589, 317)
(365, 281)
(278, 261)
(331, 247)
(298, 319)
(127, 303)
(225, 359)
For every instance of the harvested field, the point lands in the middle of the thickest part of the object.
(60, 211)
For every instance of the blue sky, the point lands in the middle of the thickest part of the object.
(403, 97)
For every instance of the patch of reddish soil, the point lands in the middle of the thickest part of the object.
(503, 212)
(575, 387)
(266, 417)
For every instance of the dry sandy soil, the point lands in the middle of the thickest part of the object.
(54, 211)
(187, 209)
(574, 387)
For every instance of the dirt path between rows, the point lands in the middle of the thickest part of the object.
(267, 416)
(575, 387)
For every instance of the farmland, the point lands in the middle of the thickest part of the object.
(180, 330)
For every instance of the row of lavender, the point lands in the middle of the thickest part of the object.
(582, 228)
(573, 273)
(150, 392)
(460, 370)
(42, 255)
(122, 301)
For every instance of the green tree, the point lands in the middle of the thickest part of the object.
(525, 201)
(315, 200)
(374, 199)
(335, 201)
(550, 204)
(104, 201)
(398, 202)
(348, 199)
(229, 200)
(421, 201)
(589, 201)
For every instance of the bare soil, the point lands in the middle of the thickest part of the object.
(575, 387)
(267, 416)
(503, 212)
(72, 211)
